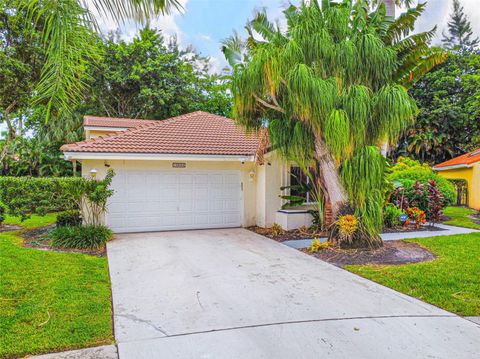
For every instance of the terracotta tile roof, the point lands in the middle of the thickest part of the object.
(194, 133)
(95, 121)
(465, 159)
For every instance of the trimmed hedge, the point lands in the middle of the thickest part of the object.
(24, 196)
(80, 237)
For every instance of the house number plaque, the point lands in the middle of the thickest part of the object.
(179, 164)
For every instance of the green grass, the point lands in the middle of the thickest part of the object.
(450, 282)
(33, 222)
(51, 301)
(460, 217)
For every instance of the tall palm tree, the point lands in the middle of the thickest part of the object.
(68, 28)
(332, 88)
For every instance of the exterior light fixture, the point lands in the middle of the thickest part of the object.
(251, 175)
(93, 172)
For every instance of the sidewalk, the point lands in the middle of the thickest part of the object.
(447, 231)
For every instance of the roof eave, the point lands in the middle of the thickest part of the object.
(452, 167)
(71, 155)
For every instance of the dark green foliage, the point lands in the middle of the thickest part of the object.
(2, 213)
(459, 36)
(24, 196)
(391, 216)
(80, 237)
(146, 78)
(301, 188)
(28, 195)
(408, 172)
(448, 123)
(69, 219)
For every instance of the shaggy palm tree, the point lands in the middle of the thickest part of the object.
(331, 88)
(68, 34)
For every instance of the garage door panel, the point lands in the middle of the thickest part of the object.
(146, 200)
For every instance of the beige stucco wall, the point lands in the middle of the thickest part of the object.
(249, 187)
(269, 178)
(95, 133)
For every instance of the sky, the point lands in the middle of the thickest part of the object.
(205, 23)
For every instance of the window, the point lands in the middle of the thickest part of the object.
(297, 177)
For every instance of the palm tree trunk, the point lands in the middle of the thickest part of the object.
(330, 177)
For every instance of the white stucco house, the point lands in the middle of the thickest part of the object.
(193, 171)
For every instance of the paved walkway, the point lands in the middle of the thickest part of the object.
(103, 352)
(235, 294)
(447, 231)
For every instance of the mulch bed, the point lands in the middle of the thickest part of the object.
(392, 252)
(9, 228)
(37, 238)
(299, 235)
(287, 235)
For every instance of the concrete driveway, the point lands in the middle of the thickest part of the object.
(234, 294)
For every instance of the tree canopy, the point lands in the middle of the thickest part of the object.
(330, 89)
(150, 78)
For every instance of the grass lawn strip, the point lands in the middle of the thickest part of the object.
(459, 216)
(450, 282)
(51, 301)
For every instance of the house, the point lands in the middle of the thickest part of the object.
(465, 167)
(193, 171)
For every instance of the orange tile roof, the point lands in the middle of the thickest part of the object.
(95, 121)
(194, 133)
(466, 159)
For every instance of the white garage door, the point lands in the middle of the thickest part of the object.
(170, 200)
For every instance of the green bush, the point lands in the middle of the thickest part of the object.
(391, 216)
(2, 213)
(24, 196)
(80, 237)
(69, 218)
(408, 171)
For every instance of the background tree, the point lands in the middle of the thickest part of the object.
(459, 35)
(147, 78)
(448, 123)
(328, 89)
(70, 42)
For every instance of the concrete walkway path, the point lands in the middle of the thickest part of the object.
(234, 294)
(446, 231)
(102, 352)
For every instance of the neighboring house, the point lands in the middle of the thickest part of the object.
(465, 167)
(188, 172)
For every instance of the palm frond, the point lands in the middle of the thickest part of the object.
(140, 10)
(404, 24)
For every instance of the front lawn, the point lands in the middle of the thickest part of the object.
(459, 216)
(450, 282)
(51, 301)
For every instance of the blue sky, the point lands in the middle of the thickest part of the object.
(204, 23)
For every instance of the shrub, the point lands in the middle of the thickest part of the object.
(276, 230)
(23, 196)
(2, 213)
(417, 215)
(391, 216)
(344, 229)
(317, 246)
(80, 237)
(408, 172)
(69, 218)
(435, 203)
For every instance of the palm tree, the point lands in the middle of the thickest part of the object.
(68, 35)
(332, 88)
